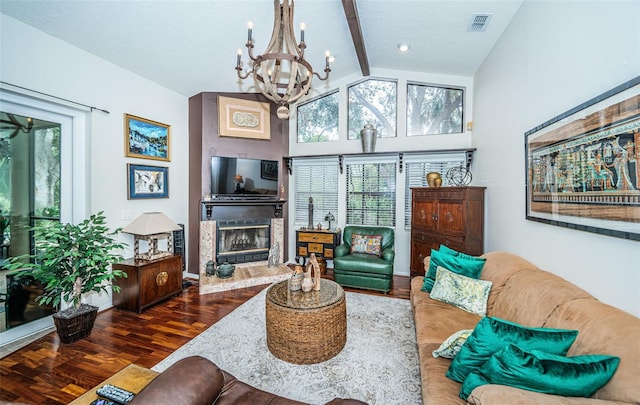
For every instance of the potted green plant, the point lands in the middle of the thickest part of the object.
(70, 261)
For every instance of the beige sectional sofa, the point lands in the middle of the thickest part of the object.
(524, 294)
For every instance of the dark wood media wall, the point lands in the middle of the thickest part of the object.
(205, 141)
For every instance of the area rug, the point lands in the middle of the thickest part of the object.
(378, 365)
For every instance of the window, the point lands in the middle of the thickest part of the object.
(417, 168)
(318, 179)
(318, 119)
(434, 110)
(371, 193)
(373, 101)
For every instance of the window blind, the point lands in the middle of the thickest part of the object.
(318, 179)
(371, 193)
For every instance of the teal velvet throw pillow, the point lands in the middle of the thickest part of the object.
(459, 263)
(577, 376)
(493, 334)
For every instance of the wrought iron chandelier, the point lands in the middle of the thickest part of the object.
(281, 73)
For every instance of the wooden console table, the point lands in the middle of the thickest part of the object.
(147, 282)
(321, 242)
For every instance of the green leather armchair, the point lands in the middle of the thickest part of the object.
(363, 270)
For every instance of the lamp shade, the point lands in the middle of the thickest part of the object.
(151, 223)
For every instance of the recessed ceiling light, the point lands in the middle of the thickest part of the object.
(403, 48)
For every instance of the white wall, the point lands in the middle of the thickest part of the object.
(553, 57)
(38, 61)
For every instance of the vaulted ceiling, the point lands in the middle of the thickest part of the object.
(190, 46)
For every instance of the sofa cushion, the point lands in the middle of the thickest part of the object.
(605, 329)
(498, 268)
(368, 244)
(452, 345)
(538, 293)
(492, 334)
(436, 389)
(363, 263)
(463, 292)
(578, 376)
(460, 264)
(501, 394)
(435, 320)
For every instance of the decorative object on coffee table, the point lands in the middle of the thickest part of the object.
(295, 282)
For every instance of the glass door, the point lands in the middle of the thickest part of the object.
(36, 188)
(29, 196)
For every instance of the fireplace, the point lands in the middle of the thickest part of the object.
(243, 240)
(240, 232)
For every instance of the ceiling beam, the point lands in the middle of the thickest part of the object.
(351, 12)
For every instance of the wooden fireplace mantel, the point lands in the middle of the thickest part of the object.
(233, 209)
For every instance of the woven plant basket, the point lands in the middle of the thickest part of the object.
(74, 324)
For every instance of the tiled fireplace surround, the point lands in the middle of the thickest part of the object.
(240, 214)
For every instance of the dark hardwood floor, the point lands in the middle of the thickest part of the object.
(47, 372)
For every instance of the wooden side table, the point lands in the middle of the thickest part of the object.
(147, 282)
(321, 242)
(131, 378)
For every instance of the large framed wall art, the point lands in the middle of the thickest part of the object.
(146, 139)
(241, 118)
(583, 166)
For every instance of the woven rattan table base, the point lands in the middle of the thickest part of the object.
(308, 335)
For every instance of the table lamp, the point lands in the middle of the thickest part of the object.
(152, 227)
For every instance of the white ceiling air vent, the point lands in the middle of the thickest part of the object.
(479, 22)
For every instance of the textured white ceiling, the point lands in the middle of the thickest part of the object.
(190, 46)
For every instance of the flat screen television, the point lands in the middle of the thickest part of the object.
(244, 178)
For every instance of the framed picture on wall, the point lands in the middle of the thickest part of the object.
(147, 182)
(146, 139)
(241, 118)
(583, 166)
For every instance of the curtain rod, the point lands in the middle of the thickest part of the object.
(91, 108)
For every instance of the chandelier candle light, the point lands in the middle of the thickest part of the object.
(282, 74)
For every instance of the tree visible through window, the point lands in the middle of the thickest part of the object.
(318, 119)
(373, 102)
(434, 110)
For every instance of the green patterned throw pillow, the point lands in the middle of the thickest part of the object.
(452, 345)
(462, 292)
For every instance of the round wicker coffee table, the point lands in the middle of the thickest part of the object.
(306, 328)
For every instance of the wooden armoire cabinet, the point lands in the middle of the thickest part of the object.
(452, 216)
